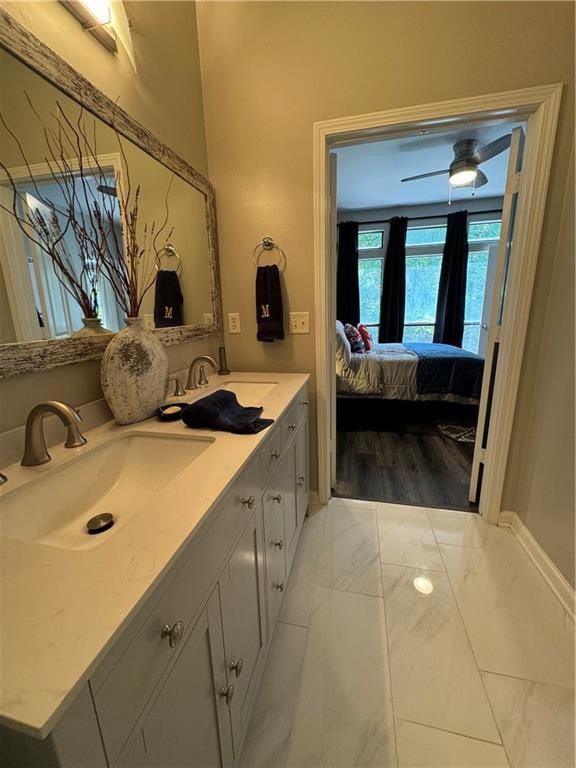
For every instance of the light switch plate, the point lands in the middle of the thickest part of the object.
(208, 318)
(299, 322)
(234, 322)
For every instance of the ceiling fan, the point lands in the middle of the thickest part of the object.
(463, 169)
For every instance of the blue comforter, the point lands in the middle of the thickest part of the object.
(444, 369)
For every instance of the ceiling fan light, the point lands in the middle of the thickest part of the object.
(462, 177)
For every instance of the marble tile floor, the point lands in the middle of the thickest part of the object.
(416, 638)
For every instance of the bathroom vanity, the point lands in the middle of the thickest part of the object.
(144, 645)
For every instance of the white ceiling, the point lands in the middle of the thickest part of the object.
(369, 174)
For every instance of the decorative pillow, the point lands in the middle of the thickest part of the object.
(343, 351)
(353, 336)
(366, 337)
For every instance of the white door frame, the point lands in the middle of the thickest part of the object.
(540, 105)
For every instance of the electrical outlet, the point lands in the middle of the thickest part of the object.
(234, 322)
(208, 318)
(299, 322)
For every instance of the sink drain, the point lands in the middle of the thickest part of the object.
(100, 523)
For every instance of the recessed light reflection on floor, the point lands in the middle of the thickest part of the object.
(424, 585)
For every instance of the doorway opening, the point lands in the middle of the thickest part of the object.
(408, 387)
(521, 225)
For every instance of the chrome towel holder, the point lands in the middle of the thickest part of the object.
(265, 245)
(169, 251)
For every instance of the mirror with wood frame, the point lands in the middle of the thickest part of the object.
(89, 200)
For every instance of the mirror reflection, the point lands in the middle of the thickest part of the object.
(92, 229)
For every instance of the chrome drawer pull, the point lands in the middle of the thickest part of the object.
(237, 667)
(275, 455)
(280, 587)
(173, 633)
(278, 544)
(300, 481)
(227, 694)
(277, 497)
(292, 427)
(249, 502)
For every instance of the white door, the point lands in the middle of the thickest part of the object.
(501, 271)
(333, 235)
(488, 298)
(17, 278)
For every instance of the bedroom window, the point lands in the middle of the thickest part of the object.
(424, 247)
(370, 240)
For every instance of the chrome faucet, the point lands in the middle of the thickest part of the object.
(35, 451)
(179, 390)
(202, 380)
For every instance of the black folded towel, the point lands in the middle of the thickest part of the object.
(269, 314)
(168, 300)
(222, 411)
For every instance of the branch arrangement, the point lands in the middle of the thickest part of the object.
(125, 258)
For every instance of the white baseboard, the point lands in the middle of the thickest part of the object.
(313, 497)
(553, 577)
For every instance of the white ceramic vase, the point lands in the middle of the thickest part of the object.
(134, 373)
(92, 326)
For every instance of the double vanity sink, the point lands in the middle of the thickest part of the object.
(116, 476)
(103, 634)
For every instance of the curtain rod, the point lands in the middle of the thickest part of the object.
(436, 216)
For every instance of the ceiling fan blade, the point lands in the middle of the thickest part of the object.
(480, 179)
(425, 175)
(493, 148)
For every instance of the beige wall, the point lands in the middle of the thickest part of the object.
(271, 69)
(165, 95)
(541, 477)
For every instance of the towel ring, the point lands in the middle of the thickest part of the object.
(269, 244)
(169, 251)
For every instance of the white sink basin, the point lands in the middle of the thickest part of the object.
(249, 393)
(118, 476)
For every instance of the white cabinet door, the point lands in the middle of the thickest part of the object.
(289, 504)
(242, 604)
(188, 724)
(302, 479)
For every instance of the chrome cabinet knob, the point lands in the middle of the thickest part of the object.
(305, 402)
(277, 497)
(275, 455)
(249, 502)
(173, 633)
(292, 427)
(278, 544)
(300, 481)
(237, 667)
(280, 587)
(227, 694)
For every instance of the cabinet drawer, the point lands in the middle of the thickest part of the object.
(271, 454)
(290, 423)
(125, 681)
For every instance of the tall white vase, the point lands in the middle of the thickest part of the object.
(134, 373)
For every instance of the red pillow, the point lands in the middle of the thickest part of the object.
(366, 337)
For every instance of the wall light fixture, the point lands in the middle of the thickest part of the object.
(95, 16)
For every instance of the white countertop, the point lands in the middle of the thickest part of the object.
(61, 610)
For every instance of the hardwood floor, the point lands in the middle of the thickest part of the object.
(396, 453)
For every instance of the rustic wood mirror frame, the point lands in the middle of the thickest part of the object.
(27, 357)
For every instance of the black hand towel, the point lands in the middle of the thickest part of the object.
(269, 314)
(168, 300)
(222, 411)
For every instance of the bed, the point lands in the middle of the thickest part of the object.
(408, 371)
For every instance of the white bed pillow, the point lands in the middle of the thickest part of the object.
(343, 351)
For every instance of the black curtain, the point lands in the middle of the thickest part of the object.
(394, 283)
(347, 288)
(449, 327)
